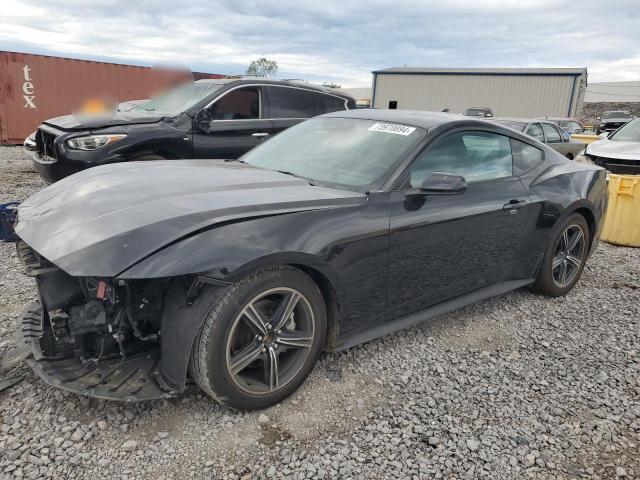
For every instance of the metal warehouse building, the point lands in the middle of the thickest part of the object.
(508, 92)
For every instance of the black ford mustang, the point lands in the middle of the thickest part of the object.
(346, 227)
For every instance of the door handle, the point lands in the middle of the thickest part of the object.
(514, 205)
(260, 134)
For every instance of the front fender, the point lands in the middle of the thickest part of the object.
(223, 255)
(344, 249)
(313, 238)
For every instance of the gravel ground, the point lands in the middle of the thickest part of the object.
(519, 386)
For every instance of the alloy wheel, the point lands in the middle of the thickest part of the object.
(568, 255)
(270, 340)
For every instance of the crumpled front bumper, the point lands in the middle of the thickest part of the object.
(132, 379)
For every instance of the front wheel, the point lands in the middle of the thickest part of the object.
(565, 257)
(261, 339)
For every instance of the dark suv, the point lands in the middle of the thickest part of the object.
(612, 121)
(207, 119)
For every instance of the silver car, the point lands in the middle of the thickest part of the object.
(546, 132)
(618, 152)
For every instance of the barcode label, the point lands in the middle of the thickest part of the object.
(392, 128)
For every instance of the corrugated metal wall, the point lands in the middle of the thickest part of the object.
(507, 95)
(34, 88)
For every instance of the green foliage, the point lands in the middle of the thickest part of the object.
(262, 67)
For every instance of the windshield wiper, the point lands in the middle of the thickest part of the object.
(308, 180)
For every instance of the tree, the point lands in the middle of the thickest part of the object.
(262, 67)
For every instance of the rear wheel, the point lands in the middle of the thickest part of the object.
(261, 339)
(565, 257)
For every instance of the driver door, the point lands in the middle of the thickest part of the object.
(236, 125)
(443, 246)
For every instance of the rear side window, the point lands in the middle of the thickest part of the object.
(287, 102)
(329, 103)
(551, 132)
(525, 157)
(535, 131)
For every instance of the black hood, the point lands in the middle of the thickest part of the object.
(101, 221)
(80, 122)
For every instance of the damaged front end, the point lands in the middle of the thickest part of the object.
(97, 337)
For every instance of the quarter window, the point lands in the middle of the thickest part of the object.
(535, 131)
(241, 104)
(328, 103)
(474, 155)
(291, 103)
(525, 157)
(551, 133)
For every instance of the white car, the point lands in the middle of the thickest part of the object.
(619, 152)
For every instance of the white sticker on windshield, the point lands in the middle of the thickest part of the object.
(392, 128)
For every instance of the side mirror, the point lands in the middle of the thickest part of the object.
(443, 184)
(202, 120)
(604, 135)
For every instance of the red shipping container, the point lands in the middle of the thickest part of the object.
(34, 88)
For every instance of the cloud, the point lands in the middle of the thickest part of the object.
(333, 40)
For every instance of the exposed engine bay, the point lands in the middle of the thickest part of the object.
(93, 326)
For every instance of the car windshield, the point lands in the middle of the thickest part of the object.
(347, 153)
(629, 133)
(616, 115)
(512, 124)
(177, 100)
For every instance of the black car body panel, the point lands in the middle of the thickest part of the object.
(141, 207)
(184, 135)
(84, 123)
(204, 225)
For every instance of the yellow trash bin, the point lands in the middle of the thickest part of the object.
(622, 221)
(585, 137)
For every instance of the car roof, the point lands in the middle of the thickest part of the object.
(264, 81)
(414, 118)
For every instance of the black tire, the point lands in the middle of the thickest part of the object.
(211, 359)
(547, 282)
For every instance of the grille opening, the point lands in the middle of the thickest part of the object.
(45, 144)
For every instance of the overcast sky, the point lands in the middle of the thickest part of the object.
(334, 40)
